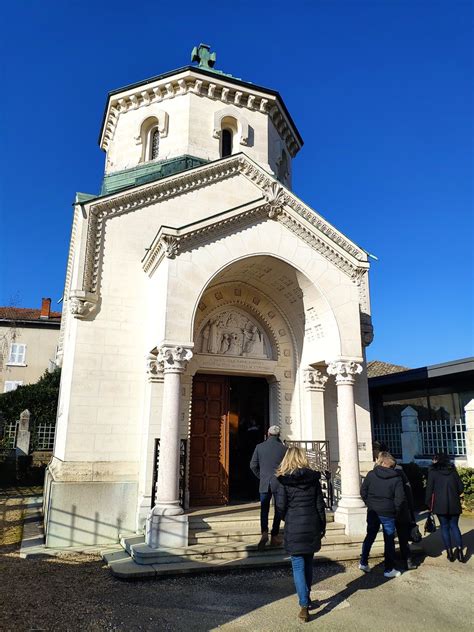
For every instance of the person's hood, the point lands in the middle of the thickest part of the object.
(443, 468)
(385, 472)
(301, 477)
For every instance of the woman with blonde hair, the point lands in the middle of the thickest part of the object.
(299, 499)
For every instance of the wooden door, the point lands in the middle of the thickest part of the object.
(209, 452)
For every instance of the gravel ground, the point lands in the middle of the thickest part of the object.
(78, 593)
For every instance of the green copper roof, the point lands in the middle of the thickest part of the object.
(148, 172)
(83, 197)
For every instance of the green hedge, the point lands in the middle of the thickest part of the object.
(467, 477)
(41, 399)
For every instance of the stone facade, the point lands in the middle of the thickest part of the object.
(220, 269)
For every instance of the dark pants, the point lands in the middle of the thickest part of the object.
(303, 576)
(265, 498)
(450, 530)
(404, 531)
(373, 525)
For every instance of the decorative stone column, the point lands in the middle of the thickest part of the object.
(166, 526)
(411, 444)
(469, 412)
(351, 509)
(314, 383)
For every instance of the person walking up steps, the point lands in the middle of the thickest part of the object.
(266, 458)
(443, 490)
(382, 491)
(299, 500)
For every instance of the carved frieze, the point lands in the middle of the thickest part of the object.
(233, 333)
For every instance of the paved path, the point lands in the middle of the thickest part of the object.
(78, 593)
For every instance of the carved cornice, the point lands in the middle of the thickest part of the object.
(345, 371)
(216, 89)
(279, 204)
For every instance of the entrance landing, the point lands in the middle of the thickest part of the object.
(221, 539)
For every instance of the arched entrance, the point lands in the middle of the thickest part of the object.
(253, 324)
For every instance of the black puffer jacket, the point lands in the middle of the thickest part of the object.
(382, 491)
(299, 500)
(443, 488)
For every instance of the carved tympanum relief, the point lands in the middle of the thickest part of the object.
(233, 333)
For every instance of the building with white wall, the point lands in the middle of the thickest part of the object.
(202, 296)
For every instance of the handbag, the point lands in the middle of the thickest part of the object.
(430, 525)
(415, 534)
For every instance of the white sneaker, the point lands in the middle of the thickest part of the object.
(392, 573)
(364, 567)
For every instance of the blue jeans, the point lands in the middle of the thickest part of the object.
(373, 525)
(265, 498)
(450, 530)
(303, 576)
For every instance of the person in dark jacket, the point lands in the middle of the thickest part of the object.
(443, 490)
(382, 491)
(406, 520)
(300, 501)
(266, 458)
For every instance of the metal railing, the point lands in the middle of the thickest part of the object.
(182, 470)
(391, 435)
(442, 435)
(319, 459)
(44, 436)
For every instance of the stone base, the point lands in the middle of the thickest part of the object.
(88, 513)
(354, 519)
(166, 532)
(143, 509)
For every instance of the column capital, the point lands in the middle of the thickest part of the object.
(154, 367)
(314, 380)
(344, 371)
(174, 357)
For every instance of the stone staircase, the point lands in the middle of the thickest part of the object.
(223, 538)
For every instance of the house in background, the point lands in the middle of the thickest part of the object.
(418, 412)
(28, 342)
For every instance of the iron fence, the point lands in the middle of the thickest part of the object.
(44, 436)
(182, 470)
(9, 434)
(442, 435)
(319, 459)
(391, 435)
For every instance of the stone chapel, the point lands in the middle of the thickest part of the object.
(203, 302)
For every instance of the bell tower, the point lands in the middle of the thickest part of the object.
(191, 116)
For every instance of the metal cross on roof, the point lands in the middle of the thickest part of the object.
(203, 56)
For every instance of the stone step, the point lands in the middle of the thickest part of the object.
(123, 566)
(247, 533)
(143, 554)
(245, 519)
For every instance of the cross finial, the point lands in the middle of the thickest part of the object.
(203, 56)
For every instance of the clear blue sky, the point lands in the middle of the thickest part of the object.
(380, 91)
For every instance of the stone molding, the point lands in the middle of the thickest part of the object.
(174, 358)
(278, 203)
(191, 83)
(345, 371)
(314, 380)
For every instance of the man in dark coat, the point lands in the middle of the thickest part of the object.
(382, 491)
(266, 458)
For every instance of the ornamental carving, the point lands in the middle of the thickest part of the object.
(233, 333)
(174, 358)
(275, 197)
(344, 371)
(154, 367)
(81, 304)
(314, 380)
